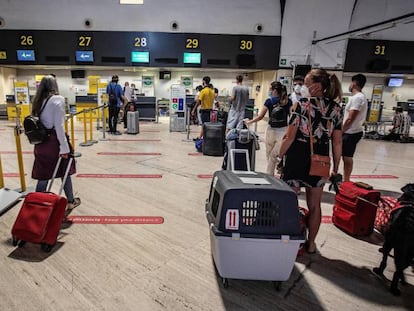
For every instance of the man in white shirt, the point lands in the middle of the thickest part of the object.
(296, 95)
(354, 116)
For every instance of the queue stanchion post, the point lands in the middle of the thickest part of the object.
(17, 134)
(91, 140)
(187, 120)
(85, 142)
(72, 136)
(98, 119)
(8, 197)
(1, 176)
(256, 113)
(104, 138)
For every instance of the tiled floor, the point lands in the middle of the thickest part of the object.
(168, 266)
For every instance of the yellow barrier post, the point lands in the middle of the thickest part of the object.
(72, 136)
(85, 134)
(1, 176)
(104, 138)
(17, 132)
(91, 140)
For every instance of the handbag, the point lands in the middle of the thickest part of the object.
(320, 165)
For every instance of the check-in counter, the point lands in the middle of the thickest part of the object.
(25, 109)
(88, 102)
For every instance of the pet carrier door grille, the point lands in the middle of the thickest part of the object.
(260, 214)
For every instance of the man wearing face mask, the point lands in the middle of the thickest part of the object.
(354, 117)
(296, 95)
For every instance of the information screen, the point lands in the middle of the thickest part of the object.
(84, 56)
(140, 57)
(192, 58)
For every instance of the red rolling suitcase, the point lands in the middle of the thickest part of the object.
(355, 208)
(41, 216)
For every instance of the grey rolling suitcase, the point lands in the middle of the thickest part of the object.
(133, 122)
(213, 140)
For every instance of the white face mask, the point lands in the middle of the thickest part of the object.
(304, 91)
(297, 88)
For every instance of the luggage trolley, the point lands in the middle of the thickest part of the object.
(254, 225)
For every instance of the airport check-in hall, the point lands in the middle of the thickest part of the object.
(219, 155)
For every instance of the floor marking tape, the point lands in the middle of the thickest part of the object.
(119, 176)
(374, 176)
(129, 153)
(116, 220)
(326, 219)
(12, 175)
(14, 152)
(205, 176)
(147, 140)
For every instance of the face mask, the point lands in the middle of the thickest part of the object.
(270, 93)
(304, 91)
(350, 88)
(297, 88)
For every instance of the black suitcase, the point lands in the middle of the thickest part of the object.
(213, 140)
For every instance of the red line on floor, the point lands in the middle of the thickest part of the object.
(119, 175)
(374, 176)
(195, 154)
(12, 175)
(117, 220)
(205, 176)
(326, 219)
(14, 152)
(129, 153)
(147, 140)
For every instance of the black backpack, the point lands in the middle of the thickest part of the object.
(113, 100)
(34, 129)
(278, 116)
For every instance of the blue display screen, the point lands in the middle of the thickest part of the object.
(392, 82)
(84, 56)
(26, 55)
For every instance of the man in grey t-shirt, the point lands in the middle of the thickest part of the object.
(238, 100)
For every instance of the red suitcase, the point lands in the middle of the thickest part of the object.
(41, 216)
(355, 208)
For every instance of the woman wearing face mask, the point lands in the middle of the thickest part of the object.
(278, 105)
(326, 119)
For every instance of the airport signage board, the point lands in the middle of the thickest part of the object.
(379, 56)
(120, 48)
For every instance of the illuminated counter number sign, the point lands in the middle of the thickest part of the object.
(192, 58)
(379, 50)
(192, 43)
(140, 42)
(246, 45)
(140, 57)
(26, 55)
(84, 41)
(84, 56)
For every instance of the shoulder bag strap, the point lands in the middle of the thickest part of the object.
(44, 105)
(310, 128)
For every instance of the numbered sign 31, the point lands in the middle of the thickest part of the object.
(232, 219)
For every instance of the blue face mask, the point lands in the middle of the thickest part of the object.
(270, 93)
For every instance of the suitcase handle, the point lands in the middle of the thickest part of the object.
(65, 176)
(233, 152)
(363, 185)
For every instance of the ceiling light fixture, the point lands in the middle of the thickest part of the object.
(131, 1)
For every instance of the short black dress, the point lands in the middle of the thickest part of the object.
(326, 116)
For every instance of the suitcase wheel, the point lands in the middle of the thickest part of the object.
(277, 285)
(21, 243)
(14, 241)
(46, 247)
(225, 282)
